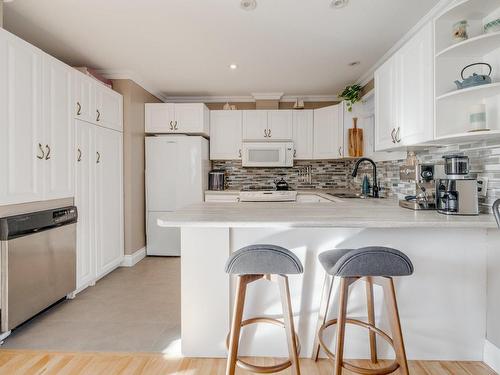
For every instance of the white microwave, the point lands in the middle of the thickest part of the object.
(267, 154)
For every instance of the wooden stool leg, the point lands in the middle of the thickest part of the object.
(289, 326)
(323, 312)
(397, 334)
(239, 303)
(341, 322)
(371, 319)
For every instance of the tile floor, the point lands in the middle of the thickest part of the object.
(132, 309)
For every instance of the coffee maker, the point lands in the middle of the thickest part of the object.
(456, 188)
(422, 175)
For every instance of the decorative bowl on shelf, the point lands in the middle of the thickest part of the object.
(493, 26)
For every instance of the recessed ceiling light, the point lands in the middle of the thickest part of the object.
(233, 66)
(337, 4)
(354, 63)
(248, 4)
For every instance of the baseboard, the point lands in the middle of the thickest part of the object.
(132, 259)
(491, 356)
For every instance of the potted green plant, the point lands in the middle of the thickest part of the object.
(351, 95)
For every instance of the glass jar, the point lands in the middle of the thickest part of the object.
(456, 164)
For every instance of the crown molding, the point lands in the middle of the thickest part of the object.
(247, 99)
(129, 74)
(435, 11)
(267, 95)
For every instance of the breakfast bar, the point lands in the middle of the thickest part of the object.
(442, 305)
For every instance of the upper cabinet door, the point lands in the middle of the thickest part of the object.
(22, 153)
(415, 89)
(255, 125)
(59, 129)
(328, 132)
(160, 117)
(191, 118)
(109, 108)
(84, 97)
(279, 124)
(385, 105)
(225, 135)
(303, 134)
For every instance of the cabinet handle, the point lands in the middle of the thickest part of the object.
(98, 115)
(398, 138)
(265, 133)
(239, 152)
(79, 158)
(171, 126)
(47, 157)
(392, 135)
(340, 151)
(79, 109)
(98, 157)
(43, 153)
(269, 133)
(294, 153)
(175, 126)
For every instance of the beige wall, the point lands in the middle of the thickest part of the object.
(1, 13)
(134, 97)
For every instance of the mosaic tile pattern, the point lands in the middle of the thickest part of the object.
(336, 174)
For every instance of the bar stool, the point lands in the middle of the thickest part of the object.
(271, 263)
(374, 265)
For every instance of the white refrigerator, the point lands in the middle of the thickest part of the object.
(177, 169)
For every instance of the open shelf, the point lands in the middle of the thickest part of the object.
(471, 9)
(482, 91)
(472, 47)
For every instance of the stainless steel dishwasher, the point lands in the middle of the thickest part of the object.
(38, 262)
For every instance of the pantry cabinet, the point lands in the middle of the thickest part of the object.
(225, 135)
(303, 134)
(267, 125)
(181, 118)
(36, 124)
(84, 97)
(328, 132)
(404, 104)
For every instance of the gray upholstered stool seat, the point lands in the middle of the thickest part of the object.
(263, 259)
(366, 261)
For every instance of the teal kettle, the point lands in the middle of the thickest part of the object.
(474, 79)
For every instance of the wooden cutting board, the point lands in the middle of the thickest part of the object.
(355, 140)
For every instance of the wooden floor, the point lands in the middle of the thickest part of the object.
(23, 362)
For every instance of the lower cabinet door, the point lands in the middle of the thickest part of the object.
(108, 199)
(84, 201)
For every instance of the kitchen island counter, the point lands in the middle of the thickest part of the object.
(339, 213)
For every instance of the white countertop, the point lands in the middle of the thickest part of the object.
(345, 213)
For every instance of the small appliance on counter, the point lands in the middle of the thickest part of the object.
(281, 193)
(281, 185)
(423, 177)
(456, 188)
(217, 179)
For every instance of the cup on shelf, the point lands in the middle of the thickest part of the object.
(460, 31)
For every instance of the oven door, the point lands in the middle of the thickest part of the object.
(267, 154)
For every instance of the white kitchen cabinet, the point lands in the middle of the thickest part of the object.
(255, 125)
(59, 128)
(222, 198)
(181, 118)
(404, 106)
(109, 108)
(84, 97)
(328, 132)
(108, 199)
(279, 124)
(415, 93)
(225, 135)
(303, 135)
(84, 201)
(22, 148)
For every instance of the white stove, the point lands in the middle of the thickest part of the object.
(268, 195)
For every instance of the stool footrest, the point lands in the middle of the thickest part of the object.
(264, 369)
(348, 366)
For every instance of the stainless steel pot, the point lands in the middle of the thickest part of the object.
(217, 179)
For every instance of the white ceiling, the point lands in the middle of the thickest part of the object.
(184, 47)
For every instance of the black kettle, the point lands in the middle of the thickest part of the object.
(281, 184)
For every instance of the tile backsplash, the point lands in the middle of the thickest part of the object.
(336, 174)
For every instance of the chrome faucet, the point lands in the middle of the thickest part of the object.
(375, 185)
